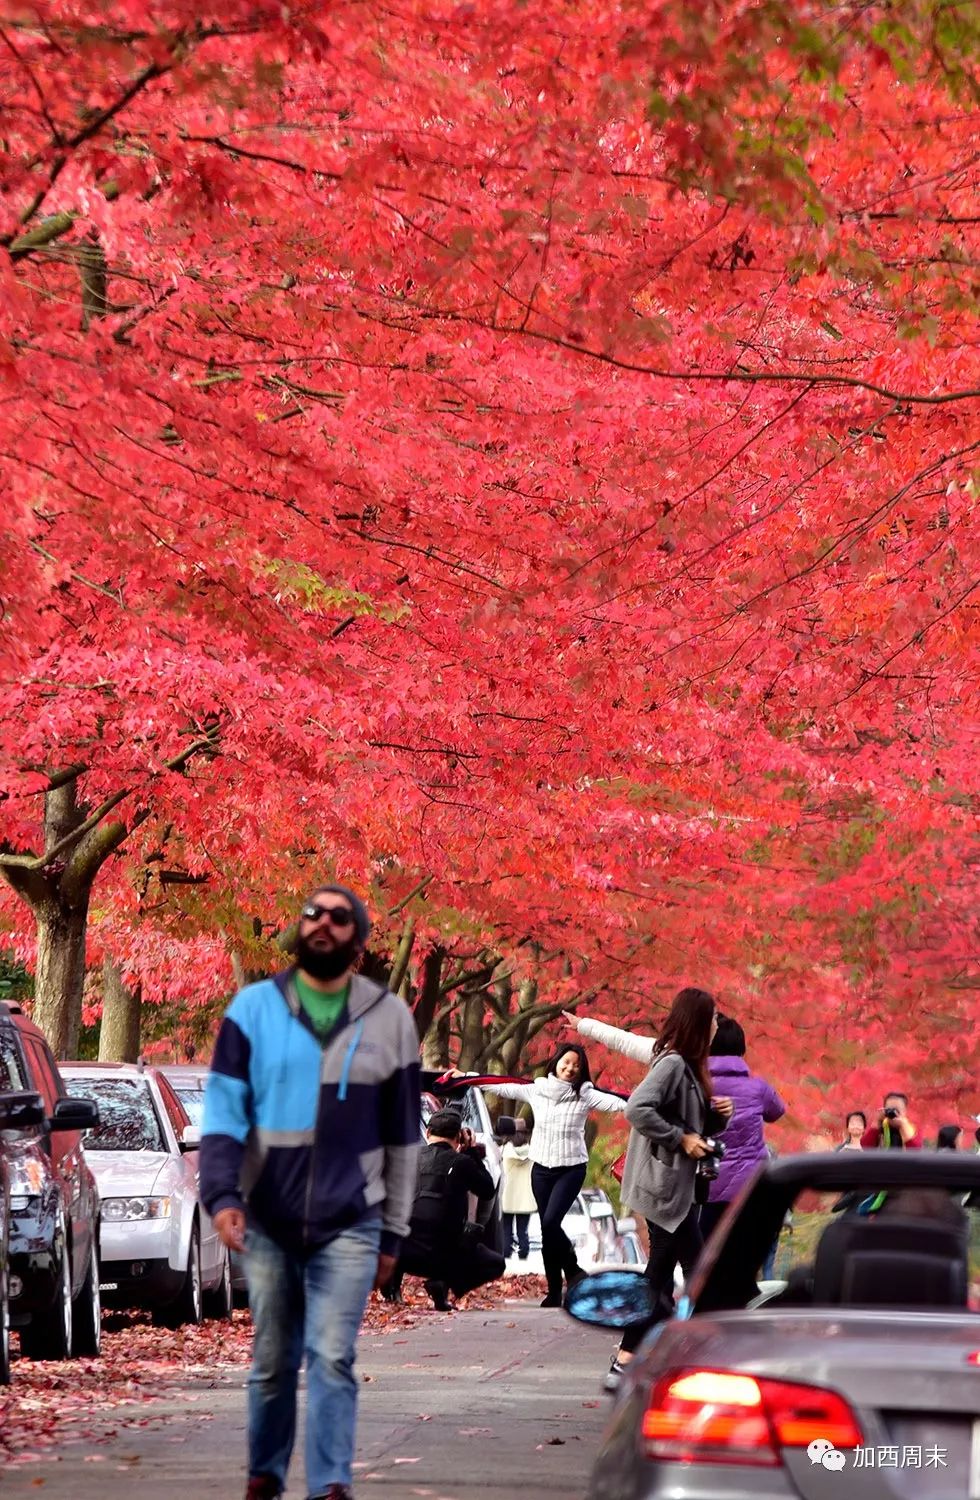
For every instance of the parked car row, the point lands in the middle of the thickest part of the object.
(98, 1199)
(99, 1194)
(160, 1249)
(49, 1288)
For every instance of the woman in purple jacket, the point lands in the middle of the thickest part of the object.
(756, 1103)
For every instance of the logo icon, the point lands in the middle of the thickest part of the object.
(822, 1451)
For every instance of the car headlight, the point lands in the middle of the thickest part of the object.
(26, 1183)
(125, 1210)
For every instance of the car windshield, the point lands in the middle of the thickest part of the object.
(11, 1072)
(465, 1102)
(191, 1096)
(912, 1246)
(127, 1118)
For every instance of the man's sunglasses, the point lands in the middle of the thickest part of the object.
(340, 916)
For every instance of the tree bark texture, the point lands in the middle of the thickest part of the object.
(119, 1034)
(60, 974)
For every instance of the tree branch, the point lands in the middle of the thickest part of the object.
(39, 861)
(415, 891)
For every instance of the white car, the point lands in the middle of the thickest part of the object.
(599, 1238)
(188, 1081)
(159, 1248)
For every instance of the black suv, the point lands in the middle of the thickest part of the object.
(52, 1266)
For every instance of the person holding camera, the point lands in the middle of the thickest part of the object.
(443, 1246)
(674, 1120)
(894, 1130)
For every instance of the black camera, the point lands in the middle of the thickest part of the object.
(708, 1166)
(891, 1114)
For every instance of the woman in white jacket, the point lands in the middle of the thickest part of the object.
(516, 1197)
(562, 1101)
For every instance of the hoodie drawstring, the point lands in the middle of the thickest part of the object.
(352, 1047)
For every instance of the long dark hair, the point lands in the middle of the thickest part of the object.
(687, 1031)
(584, 1075)
(947, 1137)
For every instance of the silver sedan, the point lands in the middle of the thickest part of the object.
(159, 1248)
(855, 1375)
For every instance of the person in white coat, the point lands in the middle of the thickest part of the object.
(562, 1101)
(517, 1198)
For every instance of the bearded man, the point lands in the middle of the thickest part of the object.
(308, 1160)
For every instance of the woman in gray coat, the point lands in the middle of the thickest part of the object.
(672, 1114)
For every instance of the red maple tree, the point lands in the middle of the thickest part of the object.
(526, 451)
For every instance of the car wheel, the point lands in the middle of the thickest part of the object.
(188, 1306)
(87, 1317)
(4, 1325)
(218, 1303)
(48, 1335)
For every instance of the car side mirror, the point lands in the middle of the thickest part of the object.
(612, 1299)
(74, 1114)
(190, 1139)
(21, 1110)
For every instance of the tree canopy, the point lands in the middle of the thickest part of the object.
(523, 452)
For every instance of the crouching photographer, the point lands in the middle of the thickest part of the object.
(443, 1246)
(893, 1130)
(674, 1118)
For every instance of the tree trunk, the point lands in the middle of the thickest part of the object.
(60, 974)
(471, 1029)
(399, 978)
(119, 1034)
(435, 1045)
(57, 889)
(429, 992)
(511, 1051)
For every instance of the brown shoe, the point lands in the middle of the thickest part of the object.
(263, 1487)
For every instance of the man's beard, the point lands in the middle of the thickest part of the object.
(325, 963)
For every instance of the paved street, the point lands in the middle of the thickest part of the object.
(488, 1404)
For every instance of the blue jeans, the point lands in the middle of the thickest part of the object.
(516, 1224)
(313, 1305)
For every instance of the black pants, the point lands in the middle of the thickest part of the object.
(667, 1248)
(465, 1266)
(516, 1224)
(710, 1215)
(555, 1190)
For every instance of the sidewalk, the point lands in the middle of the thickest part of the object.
(490, 1404)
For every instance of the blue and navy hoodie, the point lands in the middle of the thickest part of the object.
(311, 1138)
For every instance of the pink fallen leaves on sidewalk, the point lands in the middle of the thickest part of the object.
(50, 1402)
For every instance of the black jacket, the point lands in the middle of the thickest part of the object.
(446, 1178)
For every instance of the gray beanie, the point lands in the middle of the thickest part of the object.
(362, 921)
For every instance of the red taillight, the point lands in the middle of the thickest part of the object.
(973, 1358)
(718, 1416)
